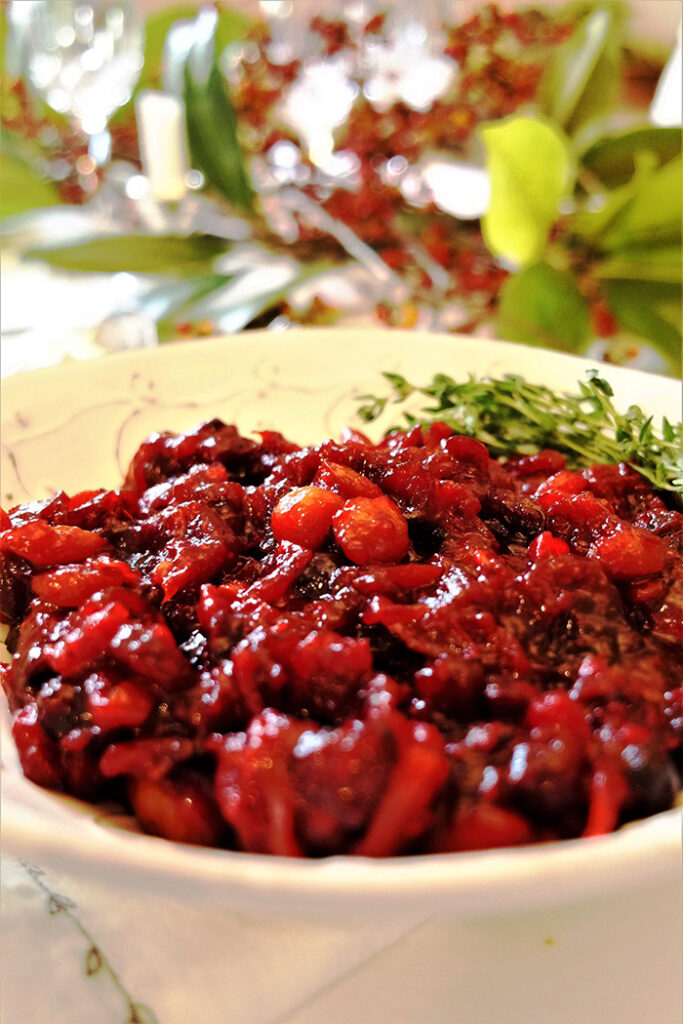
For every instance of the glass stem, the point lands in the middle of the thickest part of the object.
(99, 147)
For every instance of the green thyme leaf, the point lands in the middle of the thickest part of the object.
(512, 417)
(373, 408)
(400, 385)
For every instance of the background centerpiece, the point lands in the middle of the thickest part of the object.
(497, 174)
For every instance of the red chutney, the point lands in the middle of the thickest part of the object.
(350, 648)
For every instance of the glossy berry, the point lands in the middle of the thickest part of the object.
(371, 530)
(629, 553)
(182, 809)
(545, 546)
(304, 516)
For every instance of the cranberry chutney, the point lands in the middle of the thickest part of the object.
(350, 648)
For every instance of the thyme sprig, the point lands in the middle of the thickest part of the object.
(512, 416)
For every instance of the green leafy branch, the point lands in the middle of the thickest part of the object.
(581, 211)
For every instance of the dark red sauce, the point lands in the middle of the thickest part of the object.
(350, 648)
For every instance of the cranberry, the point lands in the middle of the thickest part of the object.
(150, 651)
(181, 808)
(38, 754)
(254, 789)
(124, 704)
(371, 530)
(545, 777)
(345, 481)
(71, 585)
(145, 758)
(339, 777)
(545, 545)
(406, 808)
(44, 545)
(486, 826)
(328, 670)
(629, 553)
(304, 516)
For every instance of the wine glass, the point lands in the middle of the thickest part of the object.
(84, 59)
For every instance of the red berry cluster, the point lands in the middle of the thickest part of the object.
(350, 648)
(500, 57)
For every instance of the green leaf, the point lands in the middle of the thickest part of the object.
(137, 254)
(21, 189)
(400, 385)
(570, 78)
(541, 306)
(669, 306)
(231, 309)
(175, 300)
(613, 158)
(643, 263)
(601, 210)
(655, 212)
(212, 124)
(531, 170)
(172, 295)
(589, 223)
(639, 223)
(634, 304)
(601, 93)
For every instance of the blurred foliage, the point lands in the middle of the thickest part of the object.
(20, 188)
(543, 306)
(231, 24)
(612, 156)
(612, 222)
(530, 167)
(136, 254)
(582, 82)
(585, 211)
(211, 121)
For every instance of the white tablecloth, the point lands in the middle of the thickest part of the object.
(76, 953)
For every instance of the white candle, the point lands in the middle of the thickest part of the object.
(163, 143)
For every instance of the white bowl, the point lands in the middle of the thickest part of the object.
(76, 426)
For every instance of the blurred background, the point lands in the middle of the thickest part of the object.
(499, 169)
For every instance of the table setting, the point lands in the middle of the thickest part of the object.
(423, 261)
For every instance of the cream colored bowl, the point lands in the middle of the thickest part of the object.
(76, 426)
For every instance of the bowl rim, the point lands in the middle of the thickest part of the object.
(642, 853)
